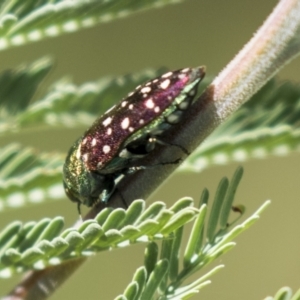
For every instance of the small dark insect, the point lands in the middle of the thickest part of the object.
(128, 131)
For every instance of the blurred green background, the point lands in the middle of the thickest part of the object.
(192, 33)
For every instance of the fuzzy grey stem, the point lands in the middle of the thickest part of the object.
(273, 46)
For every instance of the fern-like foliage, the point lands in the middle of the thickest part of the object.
(162, 276)
(17, 87)
(35, 245)
(27, 21)
(264, 125)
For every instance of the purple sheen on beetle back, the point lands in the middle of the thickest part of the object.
(113, 145)
(147, 106)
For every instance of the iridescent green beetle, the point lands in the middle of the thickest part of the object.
(116, 141)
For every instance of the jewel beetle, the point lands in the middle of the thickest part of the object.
(128, 131)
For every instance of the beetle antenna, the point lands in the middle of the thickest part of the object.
(79, 210)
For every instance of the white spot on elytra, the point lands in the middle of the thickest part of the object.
(109, 131)
(138, 87)
(185, 70)
(85, 157)
(124, 103)
(130, 106)
(169, 98)
(84, 141)
(165, 84)
(155, 80)
(149, 103)
(106, 149)
(157, 109)
(167, 75)
(141, 121)
(99, 164)
(146, 89)
(131, 129)
(125, 123)
(130, 94)
(148, 83)
(94, 142)
(107, 121)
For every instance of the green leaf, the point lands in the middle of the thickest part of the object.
(139, 280)
(133, 212)
(90, 235)
(204, 197)
(131, 291)
(10, 257)
(52, 228)
(115, 218)
(181, 204)
(32, 255)
(179, 219)
(27, 21)
(130, 232)
(227, 205)
(216, 209)
(147, 226)
(195, 240)
(103, 215)
(154, 279)
(193, 288)
(165, 254)
(17, 87)
(153, 210)
(110, 238)
(175, 254)
(34, 234)
(6, 235)
(162, 219)
(150, 259)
